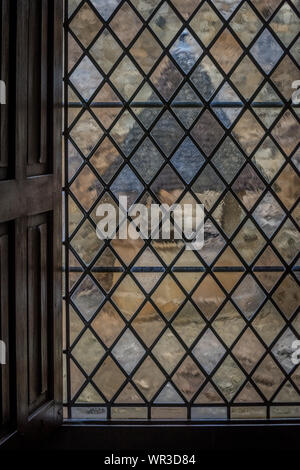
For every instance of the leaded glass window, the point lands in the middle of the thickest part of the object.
(184, 101)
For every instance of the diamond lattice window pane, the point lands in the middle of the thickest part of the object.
(147, 160)
(246, 78)
(85, 25)
(287, 241)
(108, 324)
(248, 350)
(88, 352)
(86, 133)
(148, 324)
(248, 296)
(229, 378)
(226, 51)
(207, 132)
(286, 24)
(168, 351)
(266, 51)
(209, 351)
(187, 160)
(106, 51)
(166, 78)
(148, 378)
(128, 351)
(267, 7)
(183, 102)
(186, 51)
(268, 323)
(206, 78)
(87, 298)
(229, 324)
(86, 234)
(126, 78)
(248, 140)
(185, 8)
(226, 8)
(283, 350)
(268, 159)
(287, 132)
(206, 24)
(228, 159)
(286, 71)
(126, 24)
(167, 133)
(287, 186)
(86, 78)
(188, 323)
(268, 377)
(146, 50)
(165, 23)
(246, 24)
(287, 296)
(249, 242)
(188, 378)
(208, 187)
(145, 7)
(127, 133)
(86, 187)
(268, 214)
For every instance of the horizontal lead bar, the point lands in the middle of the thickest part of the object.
(192, 269)
(214, 104)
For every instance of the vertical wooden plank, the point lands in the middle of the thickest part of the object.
(44, 82)
(44, 306)
(4, 329)
(4, 75)
(33, 317)
(20, 268)
(34, 81)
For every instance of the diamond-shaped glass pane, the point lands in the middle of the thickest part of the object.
(147, 160)
(187, 160)
(128, 351)
(168, 351)
(246, 24)
(228, 159)
(85, 24)
(207, 132)
(106, 51)
(126, 24)
(209, 351)
(286, 24)
(266, 51)
(226, 8)
(186, 51)
(206, 24)
(226, 51)
(146, 50)
(206, 78)
(165, 23)
(248, 296)
(126, 78)
(87, 298)
(86, 78)
(166, 78)
(167, 133)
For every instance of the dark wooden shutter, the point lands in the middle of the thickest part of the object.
(30, 216)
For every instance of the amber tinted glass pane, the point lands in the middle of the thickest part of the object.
(183, 102)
